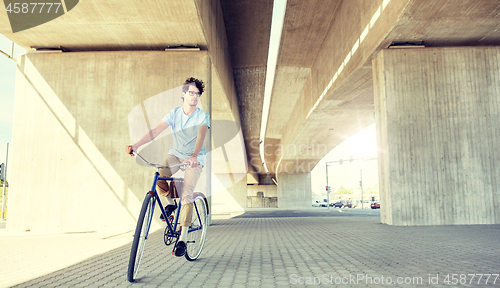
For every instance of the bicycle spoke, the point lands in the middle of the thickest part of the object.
(198, 229)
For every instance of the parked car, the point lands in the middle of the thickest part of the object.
(319, 202)
(355, 203)
(338, 204)
(375, 205)
(348, 204)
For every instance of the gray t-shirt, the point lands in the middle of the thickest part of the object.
(184, 131)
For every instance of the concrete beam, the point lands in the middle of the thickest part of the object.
(335, 99)
(336, 96)
(115, 25)
(248, 26)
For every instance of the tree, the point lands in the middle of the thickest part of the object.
(343, 190)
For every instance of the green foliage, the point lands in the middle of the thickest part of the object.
(6, 195)
(343, 190)
(372, 190)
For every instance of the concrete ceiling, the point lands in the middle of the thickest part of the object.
(450, 23)
(115, 25)
(248, 27)
(317, 36)
(313, 27)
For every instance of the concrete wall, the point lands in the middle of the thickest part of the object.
(229, 193)
(269, 190)
(68, 167)
(229, 166)
(438, 131)
(260, 201)
(262, 196)
(294, 190)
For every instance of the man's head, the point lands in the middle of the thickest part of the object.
(192, 87)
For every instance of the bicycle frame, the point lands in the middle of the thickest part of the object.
(156, 198)
(145, 219)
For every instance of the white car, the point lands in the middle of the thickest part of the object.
(316, 202)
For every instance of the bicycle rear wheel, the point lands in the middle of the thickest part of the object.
(196, 239)
(140, 236)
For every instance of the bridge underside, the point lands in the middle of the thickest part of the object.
(325, 89)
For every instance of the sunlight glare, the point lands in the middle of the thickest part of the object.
(364, 144)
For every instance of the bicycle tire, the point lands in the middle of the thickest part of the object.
(196, 239)
(140, 237)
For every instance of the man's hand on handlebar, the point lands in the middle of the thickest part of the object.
(129, 149)
(192, 161)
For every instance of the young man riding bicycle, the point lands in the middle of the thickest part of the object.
(189, 126)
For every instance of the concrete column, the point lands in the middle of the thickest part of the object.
(229, 193)
(294, 191)
(229, 183)
(437, 116)
(72, 121)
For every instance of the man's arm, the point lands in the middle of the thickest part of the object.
(148, 137)
(200, 138)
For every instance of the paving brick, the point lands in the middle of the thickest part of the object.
(274, 252)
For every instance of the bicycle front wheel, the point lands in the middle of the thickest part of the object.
(140, 236)
(196, 238)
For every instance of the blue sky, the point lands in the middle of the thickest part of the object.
(7, 84)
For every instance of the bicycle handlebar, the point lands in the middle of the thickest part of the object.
(181, 165)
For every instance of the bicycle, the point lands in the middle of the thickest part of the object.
(197, 231)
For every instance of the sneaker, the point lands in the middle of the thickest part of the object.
(180, 249)
(168, 210)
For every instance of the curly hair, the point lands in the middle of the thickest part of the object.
(195, 82)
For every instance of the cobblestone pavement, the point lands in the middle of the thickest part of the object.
(276, 250)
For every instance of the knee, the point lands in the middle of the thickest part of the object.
(188, 199)
(165, 173)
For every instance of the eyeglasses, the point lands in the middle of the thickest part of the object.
(194, 93)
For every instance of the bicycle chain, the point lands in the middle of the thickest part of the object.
(168, 239)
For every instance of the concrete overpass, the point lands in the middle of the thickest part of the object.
(435, 105)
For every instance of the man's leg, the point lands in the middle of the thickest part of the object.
(190, 179)
(162, 185)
